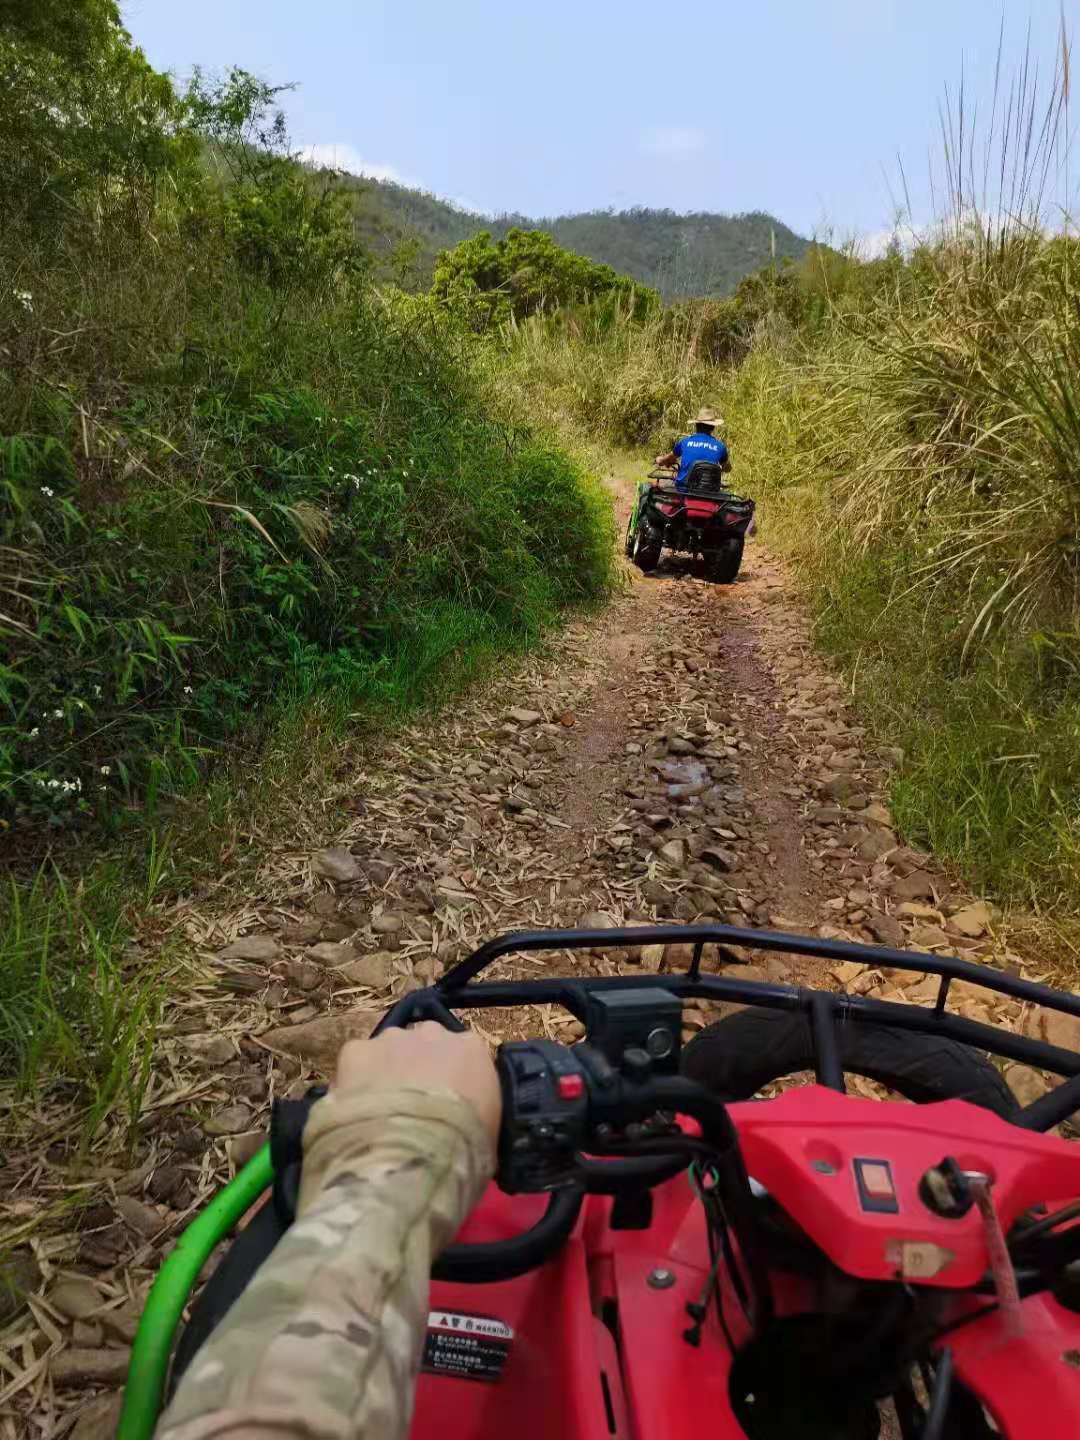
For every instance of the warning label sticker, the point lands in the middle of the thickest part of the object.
(472, 1347)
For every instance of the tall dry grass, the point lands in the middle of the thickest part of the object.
(922, 465)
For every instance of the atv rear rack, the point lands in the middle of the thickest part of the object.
(825, 1009)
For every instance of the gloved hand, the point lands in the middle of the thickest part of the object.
(425, 1057)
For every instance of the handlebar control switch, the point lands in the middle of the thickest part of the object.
(545, 1093)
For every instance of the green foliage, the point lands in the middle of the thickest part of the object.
(68, 1005)
(85, 119)
(490, 281)
(283, 227)
(918, 459)
(239, 487)
(678, 255)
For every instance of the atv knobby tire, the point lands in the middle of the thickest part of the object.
(631, 536)
(741, 1054)
(722, 566)
(647, 554)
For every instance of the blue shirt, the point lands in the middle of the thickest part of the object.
(692, 448)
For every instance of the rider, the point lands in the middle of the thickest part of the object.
(324, 1343)
(701, 445)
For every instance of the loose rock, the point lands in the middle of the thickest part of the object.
(218, 1050)
(75, 1299)
(375, 971)
(1026, 1083)
(916, 885)
(885, 929)
(720, 859)
(329, 952)
(336, 863)
(388, 923)
(318, 1041)
(928, 937)
(143, 1219)
(847, 971)
(596, 920)
(243, 1147)
(251, 947)
(89, 1367)
(229, 1121)
(122, 1322)
(98, 1419)
(972, 921)
(20, 1275)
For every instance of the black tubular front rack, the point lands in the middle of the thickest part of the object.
(826, 1009)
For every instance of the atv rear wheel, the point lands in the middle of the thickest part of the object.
(721, 566)
(741, 1054)
(630, 536)
(647, 554)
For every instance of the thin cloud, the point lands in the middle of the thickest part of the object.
(877, 243)
(346, 157)
(672, 140)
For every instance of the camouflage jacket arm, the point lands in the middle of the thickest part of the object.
(324, 1343)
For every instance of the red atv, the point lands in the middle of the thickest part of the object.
(664, 1254)
(704, 518)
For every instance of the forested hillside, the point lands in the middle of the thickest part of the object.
(679, 255)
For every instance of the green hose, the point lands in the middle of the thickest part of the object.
(176, 1279)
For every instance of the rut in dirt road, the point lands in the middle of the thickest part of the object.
(681, 756)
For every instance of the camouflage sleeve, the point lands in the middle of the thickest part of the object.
(324, 1343)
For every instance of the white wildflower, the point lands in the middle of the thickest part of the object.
(47, 492)
(25, 299)
(34, 733)
(188, 690)
(106, 770)
(58, 714)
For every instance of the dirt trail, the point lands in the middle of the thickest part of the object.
(682, 754)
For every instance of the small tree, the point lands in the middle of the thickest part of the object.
(491, 281)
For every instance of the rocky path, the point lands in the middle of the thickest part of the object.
(684, 754)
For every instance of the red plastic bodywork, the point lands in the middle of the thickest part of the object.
(698, 512)
(567, 1377)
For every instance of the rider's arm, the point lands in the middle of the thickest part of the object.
(670, 460)
(324, 1344)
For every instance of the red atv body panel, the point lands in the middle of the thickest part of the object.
(564, 1376)
(698, 512)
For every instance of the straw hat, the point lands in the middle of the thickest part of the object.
(705, 416)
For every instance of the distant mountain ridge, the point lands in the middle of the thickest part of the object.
(679, 255)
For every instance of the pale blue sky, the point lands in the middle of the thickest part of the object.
(799, 107)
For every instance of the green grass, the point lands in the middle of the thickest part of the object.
(70, 1005)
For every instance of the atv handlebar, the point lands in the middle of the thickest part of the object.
(607, 1097)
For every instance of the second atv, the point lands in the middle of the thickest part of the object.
(704, 519)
